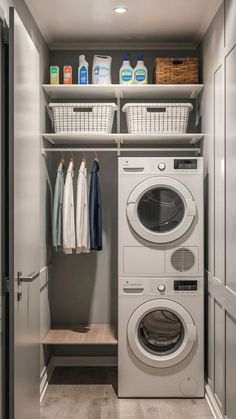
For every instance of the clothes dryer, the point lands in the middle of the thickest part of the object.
(160, 217)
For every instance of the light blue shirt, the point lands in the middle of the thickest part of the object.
(57, 208)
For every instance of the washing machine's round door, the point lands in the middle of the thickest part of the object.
(161, 333)
(160, 209)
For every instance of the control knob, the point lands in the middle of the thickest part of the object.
(161, 166)
(161, 288)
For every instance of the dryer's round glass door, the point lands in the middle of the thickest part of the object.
(161, 332)
(161, 209)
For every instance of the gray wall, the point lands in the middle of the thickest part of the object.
(67, 57)
(219, 122)
(44, 221)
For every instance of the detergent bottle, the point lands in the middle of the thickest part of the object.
(101, 72)
(140, 71)
(126, 71)
(83, 70)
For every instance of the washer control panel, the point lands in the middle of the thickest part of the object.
(161, 165)
(160, 287)
(184, 285)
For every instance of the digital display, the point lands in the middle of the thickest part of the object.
(185, 164)
(185, 285)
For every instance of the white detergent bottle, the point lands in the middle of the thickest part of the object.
(126, 71)
(83, 70)
(140, 72)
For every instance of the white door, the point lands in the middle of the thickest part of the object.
(24, 222)
(2, 228)
(161, 333)
(160, 209)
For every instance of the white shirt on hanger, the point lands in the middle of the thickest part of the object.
(69, 212)
(82, 212)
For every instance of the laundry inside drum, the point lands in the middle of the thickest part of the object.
(161, 332)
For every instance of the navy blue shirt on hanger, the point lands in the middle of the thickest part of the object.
(95, 209)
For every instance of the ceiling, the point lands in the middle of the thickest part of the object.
(68, 23)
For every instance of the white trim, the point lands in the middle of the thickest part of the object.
(1, 13)
(123, 46)
(213, 404)
(45, 377)
(85, 361)
(44, 278)
(45, 268)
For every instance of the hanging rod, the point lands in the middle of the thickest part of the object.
(115, 150)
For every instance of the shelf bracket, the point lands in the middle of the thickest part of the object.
(118, 147)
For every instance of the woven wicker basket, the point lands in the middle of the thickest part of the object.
(82, 117)
(176, 70)
(156, 118)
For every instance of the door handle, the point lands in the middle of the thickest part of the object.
(30, 278)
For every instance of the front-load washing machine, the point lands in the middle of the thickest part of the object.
(160, 217)
(160, 331)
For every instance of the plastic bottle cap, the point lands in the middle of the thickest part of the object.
(81, 57)
(140, 57)
(126, 58)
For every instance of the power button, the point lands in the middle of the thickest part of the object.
(161, 288)
(161, 166)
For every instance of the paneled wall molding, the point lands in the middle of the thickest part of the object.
(212, 404)
(218, 120)
(221, 292)
(44, 276)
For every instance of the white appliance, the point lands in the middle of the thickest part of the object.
(160, 216)
(160, 332)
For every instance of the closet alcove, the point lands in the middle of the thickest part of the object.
(83, 288)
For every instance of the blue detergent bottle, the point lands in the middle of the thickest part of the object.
(83, 70)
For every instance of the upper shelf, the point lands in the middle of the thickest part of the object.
(92, 138)
(152, 91)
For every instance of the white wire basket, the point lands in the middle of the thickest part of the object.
(82, 117)
(160, 118)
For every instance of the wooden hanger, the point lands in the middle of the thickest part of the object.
(84, 158)
(72, 160)
(96, 156)
(62, 160)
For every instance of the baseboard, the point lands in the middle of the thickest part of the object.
(45, 377)
(85, 361)
(213, 404)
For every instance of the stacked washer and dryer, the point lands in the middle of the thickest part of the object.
(161, 319)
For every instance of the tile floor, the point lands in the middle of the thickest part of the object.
(90, 393)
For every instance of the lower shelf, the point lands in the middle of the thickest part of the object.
(94, 334)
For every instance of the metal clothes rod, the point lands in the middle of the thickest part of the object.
(115, 150)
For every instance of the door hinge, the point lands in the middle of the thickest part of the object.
(6, 285)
